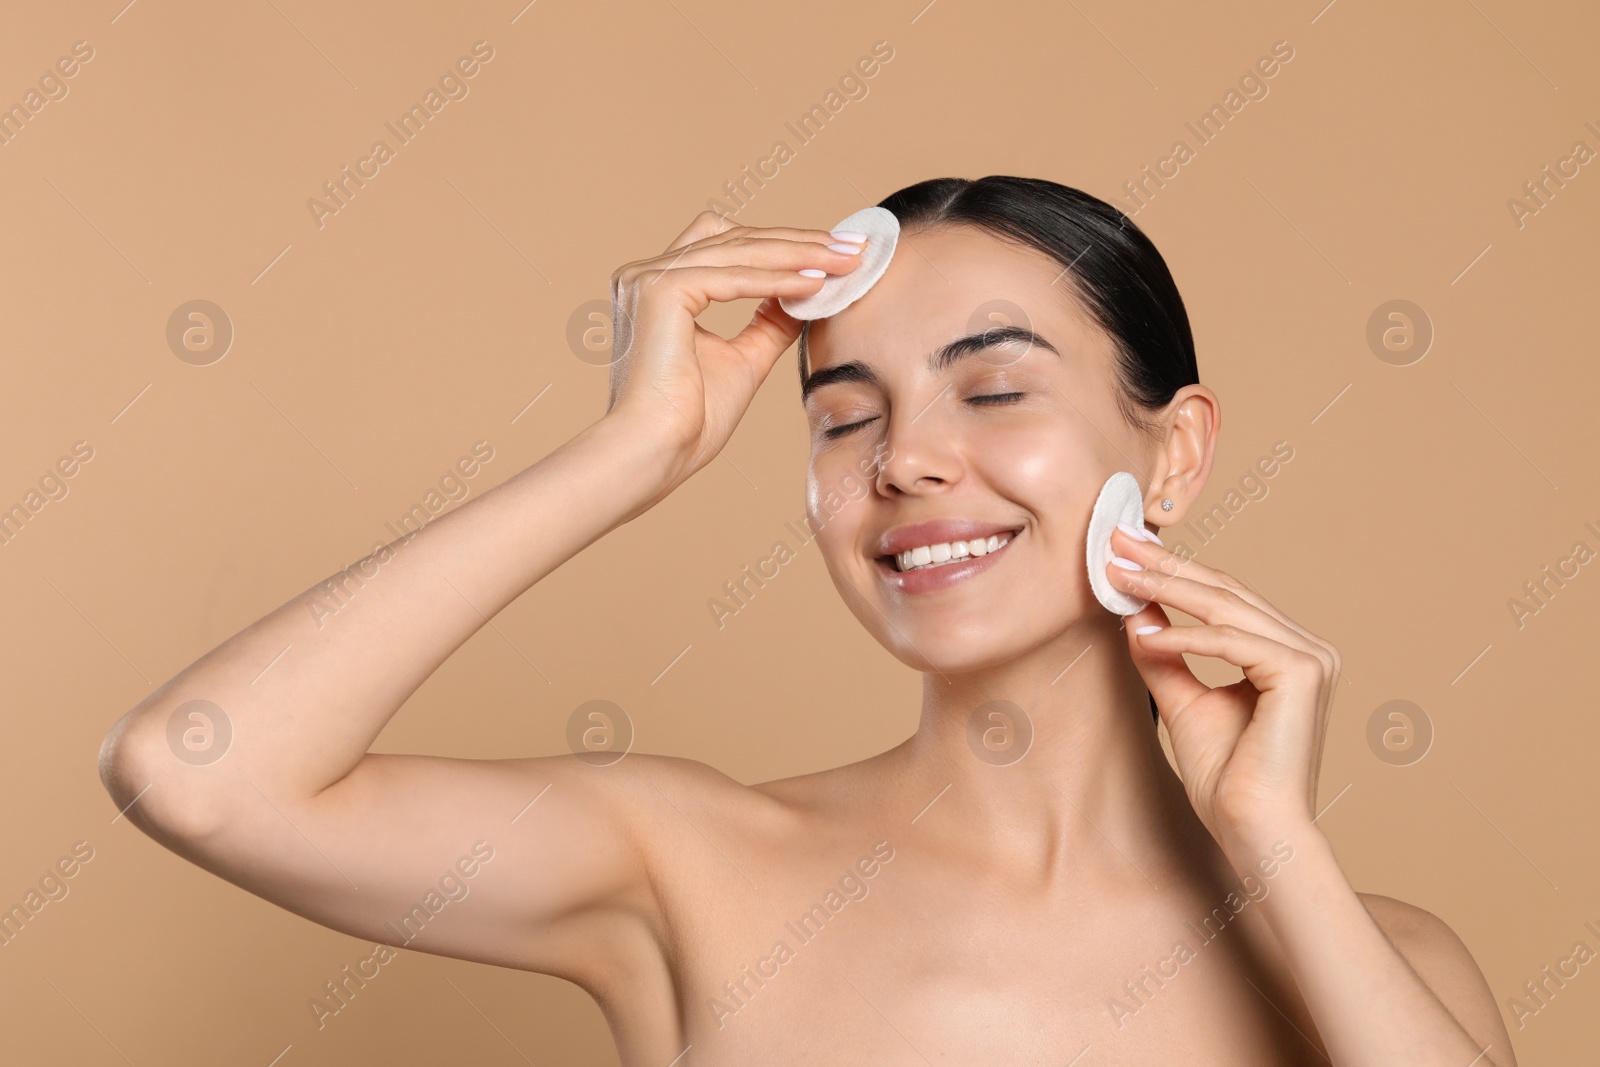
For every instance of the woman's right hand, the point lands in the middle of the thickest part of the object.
(683, 385)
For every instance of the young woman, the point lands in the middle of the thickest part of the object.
(1024, 879)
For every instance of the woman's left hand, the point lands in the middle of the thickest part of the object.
(1248, 753)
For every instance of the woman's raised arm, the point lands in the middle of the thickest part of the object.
(299, 812)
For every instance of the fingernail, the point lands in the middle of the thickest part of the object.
(854, 250)
(812, 272)
(1138, 533)
(1156, 539)
(849, 235)
(1125, 564)
(1147, 629)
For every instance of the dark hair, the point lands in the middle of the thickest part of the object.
(1117, 275)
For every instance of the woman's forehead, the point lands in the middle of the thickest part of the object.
(950, 282)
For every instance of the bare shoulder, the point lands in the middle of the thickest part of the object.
(661, 791)
(1446, 966)
(669, 801)
(647, 772)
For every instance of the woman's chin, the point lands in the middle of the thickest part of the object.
(944, 652)
(950, 647)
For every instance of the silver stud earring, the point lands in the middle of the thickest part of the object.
(1166, 505)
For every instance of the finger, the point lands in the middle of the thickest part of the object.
(1157, 557)
(705, 224)
(768, 335)
(788, 233)
(711, 228)
(1267, 664)
(1170, 681)
(769, 252)
(1189, 592)
(1201, 746)
(695, 288)
(1162, 560)
(1271, 673)
(700, 286)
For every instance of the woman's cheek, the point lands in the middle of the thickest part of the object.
(1033, 462)
(834, 494)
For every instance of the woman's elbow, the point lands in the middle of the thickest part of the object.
(159, 792)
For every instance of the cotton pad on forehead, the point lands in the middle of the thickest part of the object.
(1119, 500)
(839, 291)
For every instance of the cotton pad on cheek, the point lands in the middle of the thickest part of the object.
(839, 291)
(1119, 501)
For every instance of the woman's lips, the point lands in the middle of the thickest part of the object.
(930, 579)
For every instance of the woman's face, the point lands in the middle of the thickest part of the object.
(1005, 437)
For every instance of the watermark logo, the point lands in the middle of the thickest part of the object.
(999, 732)
(199, 333)
(199, 732)
(1399, 733)
(1399, 333)
(591, 329)
(599, 732)
(998, 319)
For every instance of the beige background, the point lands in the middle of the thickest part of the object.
(372, 352)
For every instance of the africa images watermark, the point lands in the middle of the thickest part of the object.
(52, 887)
(1539, 592)
(452, 85)
(1252, 84)
(453, 887)
(852, 87)
(739, 590)
(337, 593)
(53, 486)
(1537, 994)
(1539, 192)
(1252, 489)
(738, 992)
(1142, 988)
(52, 88)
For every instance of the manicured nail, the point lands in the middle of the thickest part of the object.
(849, 235)
(1147, 629)
(1126, 564)
(854, 250)
(1138, 533)
(812, 272)
(1156, 539)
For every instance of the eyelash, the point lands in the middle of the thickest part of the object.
(988, 398)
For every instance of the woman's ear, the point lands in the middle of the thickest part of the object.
(1191, 421)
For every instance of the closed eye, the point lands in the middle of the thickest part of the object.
(840, 431)
(987, 399)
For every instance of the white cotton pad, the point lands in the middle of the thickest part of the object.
(839, 291)
(1119, 501)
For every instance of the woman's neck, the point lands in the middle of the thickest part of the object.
(1050, 759)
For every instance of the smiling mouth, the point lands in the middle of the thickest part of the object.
(929, 557)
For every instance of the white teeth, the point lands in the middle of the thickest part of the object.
(948, 552)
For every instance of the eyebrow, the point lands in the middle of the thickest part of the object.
(939, 360)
